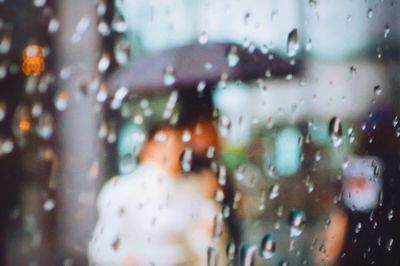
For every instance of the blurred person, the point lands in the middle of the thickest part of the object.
(155, 215)
(333, 238)
(373, 233)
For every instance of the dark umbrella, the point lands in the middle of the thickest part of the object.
(146, 74)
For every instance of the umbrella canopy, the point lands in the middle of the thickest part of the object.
(188, 65)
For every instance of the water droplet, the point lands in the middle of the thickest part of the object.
(274, 192)
(268, 247)
(45, 125)
(224, 125)
(353, 70)
(201, 86)
(101, 8)
(39, 3)
(81, 27)
(377, 90)
(49, 205)
(104, 62)
(5, 44)
(309, 185)
(122, 50)
(208, 66)
(370, 13)
(218, 226)
(103, 28)
(322, 248)
(395, 121)
(231, 250)
(358, 228)
(203, 37)
(6, 146)
(61, 100)
(186, 159)
(233, 57)
(309, 45)
(127, 164)
(102, 93)
(284, 263)
(3, 110)
(390, 215)
(387, 31)
(221, 175)
(375, 170)
(345, 163)
(271, 170)
(292, 43)
(103, 130)
(219, 195)
(118, 24)
(212, 256)
(116, 243)
(247, 255)
(389, 244)
(335, 131)
(112, 133)
(297, 221)
(169, 76)
(54, 25)
(312, 3)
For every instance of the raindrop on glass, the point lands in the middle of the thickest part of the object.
(335, 131)
(274, 192)
(233, 57)
(390, 215)
(169, 76)
(186, 159)
(128, 163)
(39, 3)
(395, 121)
(387, 31)
(122, 51)
(224, 125)
(389, 244)
(353, 70)
(5, 44)
(6, 146)
(212, 256)
(309, 45)
(54, 25)
(49, 205)
(203, 38)
(377, 90)
(218, 226)
(297, 221)
(104, 62)
(231, 250)
(370, 13)
(61, 100)
(103, 28)
(3, 110)
(268, 247)
(358, 228)
(45, 126)
(247, 255)
(292, 43)
(118, 24)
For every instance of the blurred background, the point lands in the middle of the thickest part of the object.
(309, 140)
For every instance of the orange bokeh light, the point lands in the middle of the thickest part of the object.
(33, 60)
